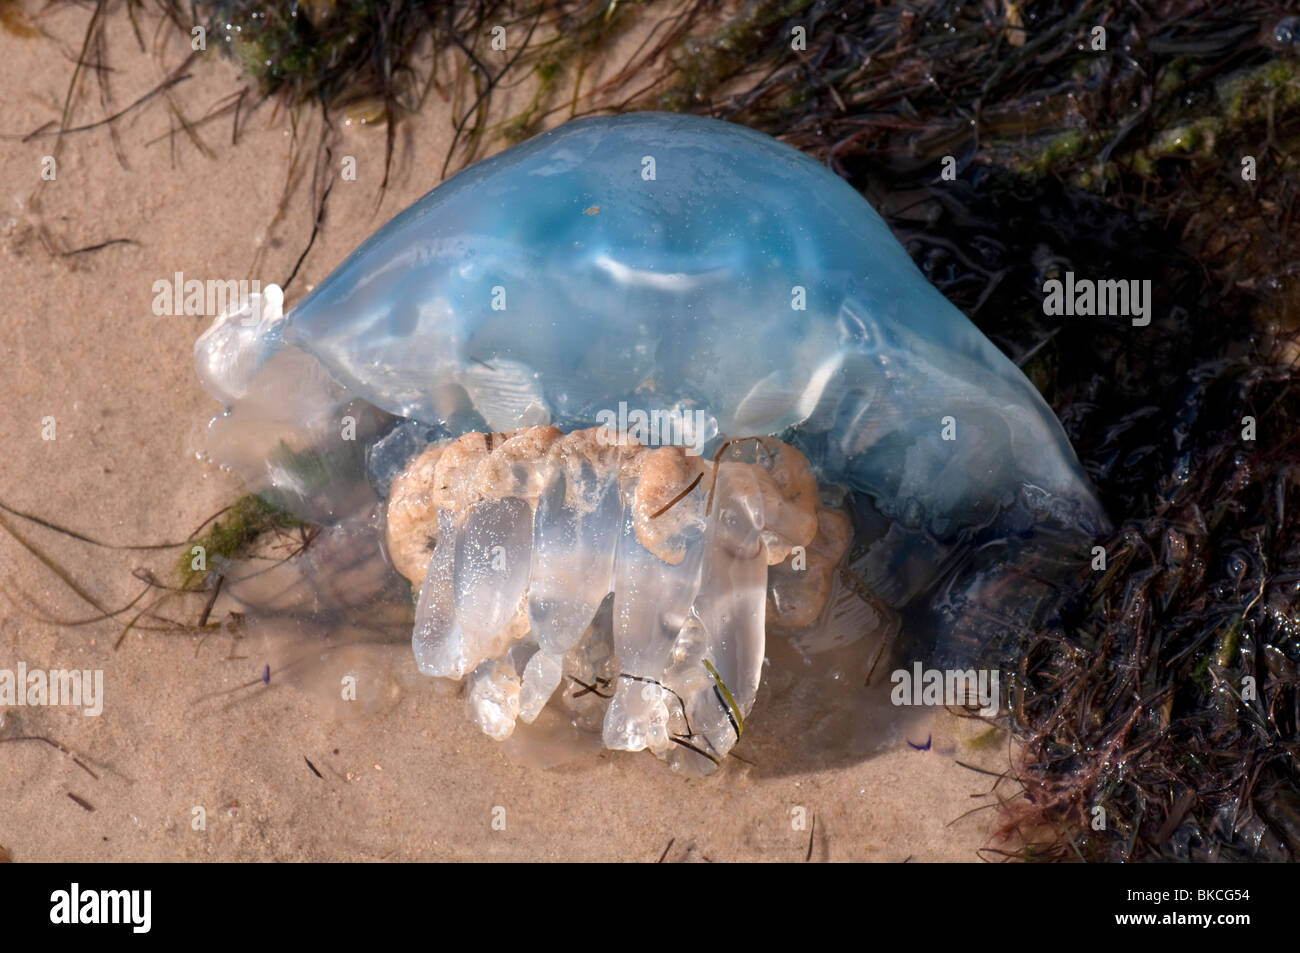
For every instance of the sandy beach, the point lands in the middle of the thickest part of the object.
(281, 771)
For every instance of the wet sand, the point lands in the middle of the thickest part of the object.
(404, 778)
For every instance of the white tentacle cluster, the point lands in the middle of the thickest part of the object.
(644, 576)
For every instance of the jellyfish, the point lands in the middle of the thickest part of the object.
(624, 403)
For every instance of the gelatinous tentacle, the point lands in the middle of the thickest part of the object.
(651, 600)
(542, 676)
(731, 605)
(579, 521)
(493, 554)
(438, 641)
(538, 534)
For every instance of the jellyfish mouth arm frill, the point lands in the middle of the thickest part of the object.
(516, 540)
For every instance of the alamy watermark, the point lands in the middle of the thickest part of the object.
(131, 907)
(1086, 297)
(655, 428)
(179, 295)
(77, 688)
(947, 687)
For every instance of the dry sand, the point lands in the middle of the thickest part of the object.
(410, 778)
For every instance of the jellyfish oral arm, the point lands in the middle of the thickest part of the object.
(515, 541)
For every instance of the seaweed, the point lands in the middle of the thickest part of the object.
(1164, 690)
(234, 531)
(378, 61)
(232, 536)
